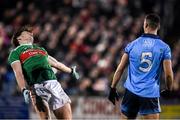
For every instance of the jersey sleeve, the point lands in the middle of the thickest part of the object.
(13, 56)
(167, 53)
(128, 48)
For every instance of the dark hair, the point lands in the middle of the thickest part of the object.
(18, 33)
(153, 20)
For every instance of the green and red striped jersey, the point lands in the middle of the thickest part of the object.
(34, 61)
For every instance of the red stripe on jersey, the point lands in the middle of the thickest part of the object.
(31, 52)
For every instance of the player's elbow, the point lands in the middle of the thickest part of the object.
(55, 65)
(120, 69)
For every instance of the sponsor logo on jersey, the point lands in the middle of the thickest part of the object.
(31, 52)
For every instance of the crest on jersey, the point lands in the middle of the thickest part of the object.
(148, 43)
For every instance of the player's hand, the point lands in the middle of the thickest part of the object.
(165, 93)
(113, 95)
(74, 73)
(26, 94)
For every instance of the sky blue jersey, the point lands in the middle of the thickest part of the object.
(146, 55)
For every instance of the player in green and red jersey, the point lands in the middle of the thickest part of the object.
(33, 69)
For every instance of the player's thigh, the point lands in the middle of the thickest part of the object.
(149, 107)
(63, 112)
(130, 105)
(45, 113)
(151, 116)
(40, 105)
(58, 96)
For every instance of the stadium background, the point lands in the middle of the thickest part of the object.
(90, 34)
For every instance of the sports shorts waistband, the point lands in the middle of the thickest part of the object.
(46, 81)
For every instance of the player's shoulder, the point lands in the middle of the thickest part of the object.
(135, 41)
(132, 43)
(16, 48)
(37, 46)
(20, 47)
(162, 43)
(13, 50)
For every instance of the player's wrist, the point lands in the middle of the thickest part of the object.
(113, 95)
(23, 89)
(71, 72)
(74, 73)
(113, 87)
(26, 94)
(113, 90)
(169, 88)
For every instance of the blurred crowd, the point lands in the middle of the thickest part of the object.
(90, 34)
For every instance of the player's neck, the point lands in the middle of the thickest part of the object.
(154, 32)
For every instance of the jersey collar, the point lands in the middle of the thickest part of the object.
(26, 44)
(150, 35)
(23, 45)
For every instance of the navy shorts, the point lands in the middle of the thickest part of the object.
(133, 104)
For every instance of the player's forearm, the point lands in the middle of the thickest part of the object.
(20, 80)
(169, 82)
(167, 65)
(58, 65)
(119, 70)
(116, 78)
(16, 66)
(63, 68)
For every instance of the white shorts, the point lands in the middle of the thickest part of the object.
(52, 92)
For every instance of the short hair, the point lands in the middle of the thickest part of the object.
(18, 32)
(153, 20)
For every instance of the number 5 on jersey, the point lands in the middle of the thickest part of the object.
(144, 60)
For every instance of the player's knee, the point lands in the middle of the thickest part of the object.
(63, 112)
(151, 116)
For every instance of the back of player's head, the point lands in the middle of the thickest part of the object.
(18, 33)
(153, 21)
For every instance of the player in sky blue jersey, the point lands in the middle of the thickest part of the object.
(146, 57)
